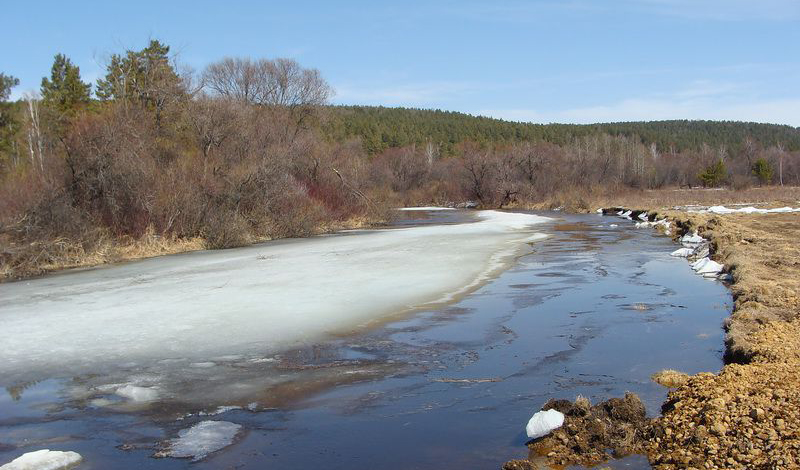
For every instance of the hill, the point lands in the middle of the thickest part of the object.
(382, 127)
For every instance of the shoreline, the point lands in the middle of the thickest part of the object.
(746, 414)
(151, 245)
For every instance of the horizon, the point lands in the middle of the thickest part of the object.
(575, 62)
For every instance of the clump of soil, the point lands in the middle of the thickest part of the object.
(591, 434)
(670, 378)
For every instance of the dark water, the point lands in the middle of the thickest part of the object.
(592, 310)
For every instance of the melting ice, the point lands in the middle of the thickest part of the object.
(267, 297)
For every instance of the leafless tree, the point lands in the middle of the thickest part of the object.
(35, 140)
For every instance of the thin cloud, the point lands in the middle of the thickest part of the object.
(714, 10)
(777, 111)
(726, 10)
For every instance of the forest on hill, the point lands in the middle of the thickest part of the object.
(251, 149)
(380, 128)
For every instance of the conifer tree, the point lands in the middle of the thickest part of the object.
(64, 91)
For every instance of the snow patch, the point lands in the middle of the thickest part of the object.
(707, 267)
(44, 459)
(664, 223)
(201, 439)
(682, 252)
(692, 239)
(426, 208)
(722, 210)
(543, 423)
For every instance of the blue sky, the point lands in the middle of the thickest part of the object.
(541, 61)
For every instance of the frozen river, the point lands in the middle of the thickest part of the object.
(429, 342)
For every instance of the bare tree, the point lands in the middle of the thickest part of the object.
(479, 170)
(212, 122)
(241, 79)
(35, 141)
(781, 154)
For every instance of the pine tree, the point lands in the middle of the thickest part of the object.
(8, 124)
(762, 170)
(714, 174)
(142, 76)
(64, 91)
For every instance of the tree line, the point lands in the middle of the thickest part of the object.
(249, 149)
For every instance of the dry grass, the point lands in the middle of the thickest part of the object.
(588, 199)
(34, 259)
(763, 334)
(59, 254)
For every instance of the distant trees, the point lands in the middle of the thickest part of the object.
(249, 149)
(146, 77)
(762, 170)
(713, 175)
(8, 124)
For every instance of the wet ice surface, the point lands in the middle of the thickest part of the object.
(591, 310)
(268, 297)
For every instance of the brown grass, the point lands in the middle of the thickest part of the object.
(744, 417)
(61, 253)
(589, 199)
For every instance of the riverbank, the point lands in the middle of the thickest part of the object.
(746, 416)
(40, 258)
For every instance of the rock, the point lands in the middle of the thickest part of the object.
(44, 459)
(543, 423)
(757, 414)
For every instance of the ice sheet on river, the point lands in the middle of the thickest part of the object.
(44, 459)
(201, 439)
(266, 297)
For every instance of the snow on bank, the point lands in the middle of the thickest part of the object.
(261, 298)
(44, 459)
(201, 439)
(695, 246)
(722, 210)
(682, 252)
(543, 423)
(426, 208)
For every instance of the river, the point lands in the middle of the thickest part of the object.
(434, 357)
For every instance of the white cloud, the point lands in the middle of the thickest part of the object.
(778, 111)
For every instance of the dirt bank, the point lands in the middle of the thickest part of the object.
(747, 416)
